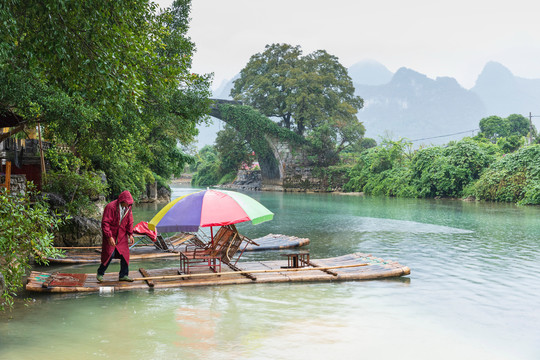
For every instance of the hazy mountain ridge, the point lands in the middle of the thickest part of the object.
(414, 106)
(505, 94)
(409, 104)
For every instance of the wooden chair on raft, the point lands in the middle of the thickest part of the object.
(223, 249)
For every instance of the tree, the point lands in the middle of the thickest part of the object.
(110, 79)
(518, 125)
(207, 167)
(302, 91)
(495, 127)
(233, 150)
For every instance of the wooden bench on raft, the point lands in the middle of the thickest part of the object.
(223, 249)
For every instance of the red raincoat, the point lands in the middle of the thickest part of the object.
(112, 227)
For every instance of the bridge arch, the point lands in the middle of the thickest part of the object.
(276, 148)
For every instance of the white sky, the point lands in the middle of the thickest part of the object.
(436, 38)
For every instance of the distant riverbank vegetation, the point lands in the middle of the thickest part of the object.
(500, 168)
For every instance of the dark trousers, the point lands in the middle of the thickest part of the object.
(124, 270)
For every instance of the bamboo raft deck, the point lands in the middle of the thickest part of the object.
(146, 252)
(349, 267)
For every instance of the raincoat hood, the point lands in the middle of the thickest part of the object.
(125, 196)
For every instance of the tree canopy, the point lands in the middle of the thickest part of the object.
(312, 95)
(494, 127)
(110, 79)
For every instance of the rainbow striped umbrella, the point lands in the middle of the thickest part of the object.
(209, 208)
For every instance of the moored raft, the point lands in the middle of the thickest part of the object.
(92, 255)
(349, 267)
(277, 242)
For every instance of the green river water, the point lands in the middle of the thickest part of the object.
(473, 292)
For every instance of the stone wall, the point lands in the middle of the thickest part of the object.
(17, 183)
(306, 178)
(246, 180)
(79, 231)
(155, 194)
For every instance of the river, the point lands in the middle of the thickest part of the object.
(473, 292)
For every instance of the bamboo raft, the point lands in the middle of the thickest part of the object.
(91, 255)
(349, 267)
(277, 242)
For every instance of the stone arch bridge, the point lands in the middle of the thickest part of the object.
(284, 162)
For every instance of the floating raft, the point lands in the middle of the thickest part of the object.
(277, 242)
(92, 256)
(349, 267)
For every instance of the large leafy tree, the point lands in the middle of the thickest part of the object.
(312, 95)
(495, 127)
(304, 92)
(110, 79)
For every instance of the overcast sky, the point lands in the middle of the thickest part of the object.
(436, 38)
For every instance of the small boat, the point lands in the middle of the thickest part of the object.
(297, 267)
(170, 249)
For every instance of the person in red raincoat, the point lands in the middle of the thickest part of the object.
(117, 232)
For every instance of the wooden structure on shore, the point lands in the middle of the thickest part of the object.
(91, 255)
(349, 267)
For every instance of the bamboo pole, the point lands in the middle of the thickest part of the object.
(171, 277)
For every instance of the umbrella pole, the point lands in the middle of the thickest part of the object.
(212, 235)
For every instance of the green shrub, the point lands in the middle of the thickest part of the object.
(446, 172)
(27, 231)
(513, 178)
(77, 190)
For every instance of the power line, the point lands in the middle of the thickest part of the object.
(440, 136)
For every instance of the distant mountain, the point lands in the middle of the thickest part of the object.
(370, 72)
(224, 90)
(504, 94)
(415, 107)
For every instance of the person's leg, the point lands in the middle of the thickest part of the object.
(124, 269)
(102, 268)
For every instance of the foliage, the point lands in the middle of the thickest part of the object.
(233, 150)
(383, 170)
(322, 144)
(513, 178)
(207, 167)
(333, 177)
(445, 172)
(77, 190)
(255, 128)
(511, 143)
(112, 80)
(27, 231)
(367, 143)
(495, 127)
(227, 178)
(304, 92)
(392, 170)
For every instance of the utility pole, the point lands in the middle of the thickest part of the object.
(531, 126)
